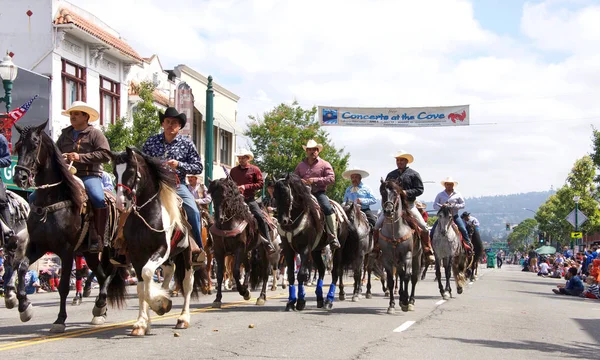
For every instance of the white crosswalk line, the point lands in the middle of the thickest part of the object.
(404, 326)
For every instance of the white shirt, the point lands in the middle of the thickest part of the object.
(473, 221)
(544, 268)
(455, 200)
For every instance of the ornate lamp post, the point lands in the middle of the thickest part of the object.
(8, 73)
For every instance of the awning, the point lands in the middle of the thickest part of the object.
(224, 123)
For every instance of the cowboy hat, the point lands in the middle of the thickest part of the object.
(193, 175)
(245, 152)
(405, 155)
(171, 112)
(465, 214)
(312, 144)
(83, 107)
(346, 174)
(420, 205)
(449, 179)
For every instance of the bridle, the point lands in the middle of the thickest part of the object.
(31, 172)
(393, 203)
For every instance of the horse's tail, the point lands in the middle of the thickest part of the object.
(459, 267)
(117, 290)
(180, 275)
(351, 249)
(170, 201)
(259, 265)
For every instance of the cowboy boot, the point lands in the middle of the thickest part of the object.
(330, 222)
(97, 236)
(427, 248)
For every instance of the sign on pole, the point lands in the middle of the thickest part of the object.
(581, 218)
(576, 235)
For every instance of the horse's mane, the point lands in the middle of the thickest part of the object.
(445, 211)
(232, 202)
(74, 190)
(302, 193)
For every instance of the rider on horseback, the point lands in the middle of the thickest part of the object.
(4, 211)
(87, 148)
(181, 155)
(411, 183)
(249, 179)
(318, 174)
(471, 220)
(360, 193)
(454, 201)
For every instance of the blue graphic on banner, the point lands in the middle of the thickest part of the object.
(330, 116)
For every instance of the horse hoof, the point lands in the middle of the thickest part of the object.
(87, 292)
(273, 288)
(411, 307)
(57, 328)
(290, 307)
(247, 296)
(99, 320)
(216, 305)
(11, 300)
(283, 286)
(138, 332)
(260, 301)
(404, 308)
(387, 294)
(355, 298)
(319, 304)
(328, 305)
(182, 324)
(342, 297)
(445, 296)
(99, 311)
(301, 305)
(391, 310)
(459, 290)
(76, 302)
(27, 314)
(368, 296)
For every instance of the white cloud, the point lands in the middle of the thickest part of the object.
(399, 53)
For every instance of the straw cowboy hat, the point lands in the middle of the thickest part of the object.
(346, 174)
(449, 179)
(81, 106)
(312, 144)
(405, 155)
(420, 205)
(171, 112)
(245, 152)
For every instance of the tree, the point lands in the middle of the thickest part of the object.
(596, 154)
(523, 234)
(277, 141)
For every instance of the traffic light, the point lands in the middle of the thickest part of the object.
(541, 237)
(507, 227)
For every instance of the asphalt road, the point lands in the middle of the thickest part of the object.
(505, 314)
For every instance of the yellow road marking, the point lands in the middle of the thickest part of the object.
(81, 332)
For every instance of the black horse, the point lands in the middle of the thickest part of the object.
(477, 251)
(154, 234)
(59, 209)
(356, 256)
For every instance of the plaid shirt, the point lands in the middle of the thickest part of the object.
(181, 149)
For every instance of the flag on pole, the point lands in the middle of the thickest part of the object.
(18, 113)
(8, 120)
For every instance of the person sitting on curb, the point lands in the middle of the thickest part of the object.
(574, 285)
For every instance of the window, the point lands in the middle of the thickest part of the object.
(225, 147)
(109, 101)
(73, 83)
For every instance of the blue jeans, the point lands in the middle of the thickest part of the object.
(93, 188)
(324, 203)
(191, 209)
(461, 227)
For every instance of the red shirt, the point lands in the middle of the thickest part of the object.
(250, 177)
(425, 215)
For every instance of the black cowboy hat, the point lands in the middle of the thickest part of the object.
(173, 113)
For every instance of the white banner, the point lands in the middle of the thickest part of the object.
(394, 117)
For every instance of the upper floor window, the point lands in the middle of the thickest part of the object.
(226, 145)
(73, 83)
(110, 103)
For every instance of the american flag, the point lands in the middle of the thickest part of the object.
(16, 114)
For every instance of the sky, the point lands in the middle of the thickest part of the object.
(528, 69)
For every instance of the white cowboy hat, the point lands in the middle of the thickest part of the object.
(449, 179)
(420, 205)
(312, 144)
(245, 152)
(193, 175)
(346, 174)
(81, 106)
(405, 155)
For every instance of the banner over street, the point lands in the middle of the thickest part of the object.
(394, 117)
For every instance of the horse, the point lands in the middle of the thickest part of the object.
(235, 232)
(373, 265)
(396, 241)
(477, 251)
(363, 230)
(14, 248)
(61, 209)
(155, 234)
(449, 252)
(301, 227)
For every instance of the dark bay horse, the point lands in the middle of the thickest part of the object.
(477, 251)
(356, 257)
(396, 242)
(57, 222)
(236, 232)
(155, 235)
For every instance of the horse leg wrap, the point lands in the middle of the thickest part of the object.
(301, 292)
(331, 293)
(319, 289)
(292, 298)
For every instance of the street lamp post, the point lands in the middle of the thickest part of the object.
(576, 199)
(8, 73)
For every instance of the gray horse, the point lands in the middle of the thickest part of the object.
(449, 252)
(395, 241)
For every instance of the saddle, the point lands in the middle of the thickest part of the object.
(462, 240)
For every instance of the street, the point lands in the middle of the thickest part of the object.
(505, 314)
